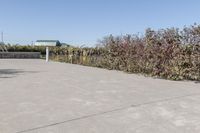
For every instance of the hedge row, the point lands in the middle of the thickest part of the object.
(167, 53)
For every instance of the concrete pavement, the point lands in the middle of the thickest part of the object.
(40, 97)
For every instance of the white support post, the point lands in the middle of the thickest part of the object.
(47, 54)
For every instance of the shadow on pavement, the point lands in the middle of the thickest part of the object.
(10, 73)
(197, 82)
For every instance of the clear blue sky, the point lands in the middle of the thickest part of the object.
(85, 21)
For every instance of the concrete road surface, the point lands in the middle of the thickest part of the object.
(40, 97)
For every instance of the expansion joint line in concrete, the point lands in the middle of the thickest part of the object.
(106, 112)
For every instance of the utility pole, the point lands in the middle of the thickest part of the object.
(31, 43)
(2, 45)
(2, 36)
